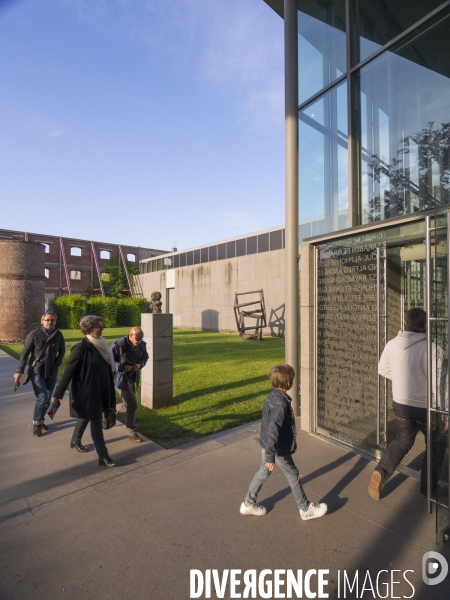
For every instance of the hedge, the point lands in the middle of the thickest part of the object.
(129, 311)
(69, 310)
(106, 308)
(115, 312)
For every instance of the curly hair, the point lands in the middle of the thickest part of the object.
(88, 323)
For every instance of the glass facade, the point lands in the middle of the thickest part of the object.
(323, 162)
(347, 341)
(321, 43)
(361, 298)
(374, 145)
(380, 21)
(405, 127)
(255, 244)
(394, 108)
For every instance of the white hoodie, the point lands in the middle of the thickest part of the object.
(404, 362)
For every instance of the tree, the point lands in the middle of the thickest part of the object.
(114, 281)
(430, 158)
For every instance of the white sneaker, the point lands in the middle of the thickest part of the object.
(255, 509)
(313, 511)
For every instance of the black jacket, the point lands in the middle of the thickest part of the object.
(278, 431)
(52, 359)
(92, 389)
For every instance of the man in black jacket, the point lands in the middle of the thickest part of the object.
(130, 354)
(44, 366)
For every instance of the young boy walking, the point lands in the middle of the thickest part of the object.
(278, 441)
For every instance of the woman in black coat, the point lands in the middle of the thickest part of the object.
(89, 368)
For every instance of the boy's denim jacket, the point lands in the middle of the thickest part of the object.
(278, 432)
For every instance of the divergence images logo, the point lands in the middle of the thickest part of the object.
(434, 568)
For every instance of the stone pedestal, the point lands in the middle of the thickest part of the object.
(157, 375)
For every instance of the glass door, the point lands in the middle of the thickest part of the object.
(382, 339)
(438, 312)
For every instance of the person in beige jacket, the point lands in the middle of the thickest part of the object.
(405, 362)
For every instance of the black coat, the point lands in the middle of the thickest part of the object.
(53, 356)
(92, 389)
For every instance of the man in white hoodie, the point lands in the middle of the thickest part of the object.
(404, 362)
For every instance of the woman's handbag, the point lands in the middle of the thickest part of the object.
(109, 418)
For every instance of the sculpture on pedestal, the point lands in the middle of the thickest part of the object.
(155, 304)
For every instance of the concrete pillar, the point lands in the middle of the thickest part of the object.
(292, 330)
(308, 362)
(157, 375)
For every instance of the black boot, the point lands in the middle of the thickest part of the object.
(106, 462)
(37, 430)
(79, 446)
(80, 428)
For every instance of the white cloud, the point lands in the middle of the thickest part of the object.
(231, 44)
(265, 107)
(242, 48)
(54, 132)
(47, 129)
(239, 222)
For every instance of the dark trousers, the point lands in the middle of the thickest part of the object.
(408, 425)
(96, 433)
(129, 406)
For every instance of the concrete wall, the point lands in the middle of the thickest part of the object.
(204, 294)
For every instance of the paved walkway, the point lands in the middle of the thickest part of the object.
(73, 530)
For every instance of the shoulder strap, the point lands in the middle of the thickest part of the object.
(41, 353)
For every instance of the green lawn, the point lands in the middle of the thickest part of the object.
(220, 381)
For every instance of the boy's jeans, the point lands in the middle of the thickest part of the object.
(289, 469)
(43, 390)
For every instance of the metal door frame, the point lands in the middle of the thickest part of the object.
(430, 320)
(381, 314)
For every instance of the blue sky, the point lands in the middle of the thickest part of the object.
(142, 122)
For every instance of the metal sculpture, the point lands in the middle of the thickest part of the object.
(252, 309)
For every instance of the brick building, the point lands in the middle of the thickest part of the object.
(70, 263)
(22, 288)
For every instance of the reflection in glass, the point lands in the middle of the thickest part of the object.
(439, 332)
(347, 340)
(405, 128)
(323, 168)
(380, 21)
(348, 308)
(321, 44)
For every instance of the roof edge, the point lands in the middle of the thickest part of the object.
(277, 6)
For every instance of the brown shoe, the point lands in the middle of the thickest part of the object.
(134, 437)
(376, 485)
